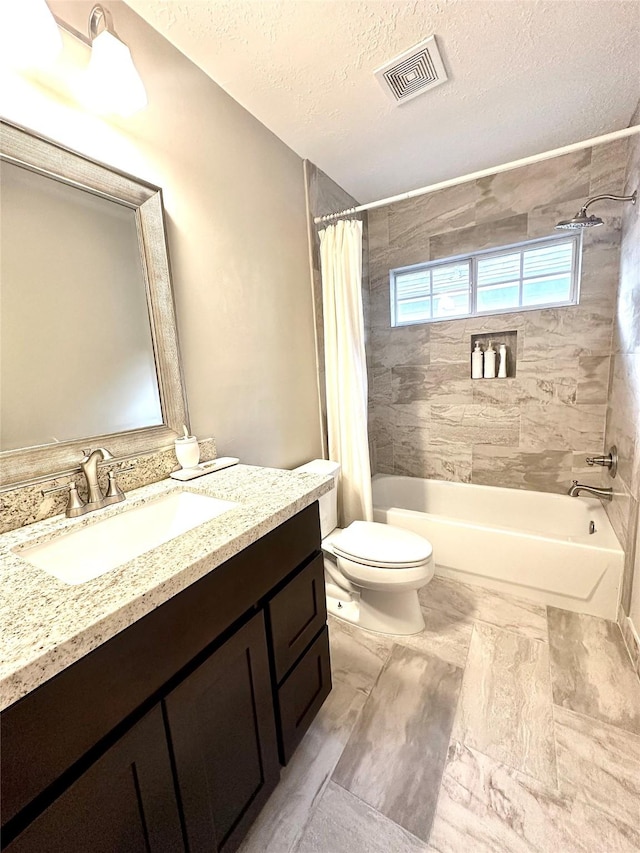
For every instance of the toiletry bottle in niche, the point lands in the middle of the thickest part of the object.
(476, 361)
(502, 369)
(490, 362)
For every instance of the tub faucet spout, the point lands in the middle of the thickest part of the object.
(577, 488)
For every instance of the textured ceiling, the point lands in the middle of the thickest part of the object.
(524, 76)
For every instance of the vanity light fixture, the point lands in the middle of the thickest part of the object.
(29, 35)
(113, 84)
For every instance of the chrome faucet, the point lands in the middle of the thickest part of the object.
(89, 466)
(577, 488)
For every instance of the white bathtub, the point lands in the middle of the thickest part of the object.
(532, 544)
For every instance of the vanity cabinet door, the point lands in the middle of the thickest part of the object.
(124, 803)
(222, 730)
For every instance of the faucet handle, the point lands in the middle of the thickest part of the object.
(114, 492)
(75, 505)
(609, 461)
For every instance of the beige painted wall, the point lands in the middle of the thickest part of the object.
(235, 203)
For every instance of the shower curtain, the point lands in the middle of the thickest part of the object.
(346, 366)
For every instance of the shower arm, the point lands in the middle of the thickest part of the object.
(632, 198)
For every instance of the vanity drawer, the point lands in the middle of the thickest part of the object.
(296, 614)
(302, 693)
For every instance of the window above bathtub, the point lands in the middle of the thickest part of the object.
(522, 276)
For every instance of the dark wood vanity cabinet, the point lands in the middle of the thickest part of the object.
(222, 730)
(297, 619)
(170, 736)
(124, 802)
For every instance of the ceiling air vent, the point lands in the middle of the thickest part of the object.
(413, 72)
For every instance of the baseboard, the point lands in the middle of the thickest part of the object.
(631, 639)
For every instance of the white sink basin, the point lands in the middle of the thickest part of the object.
(91, 551)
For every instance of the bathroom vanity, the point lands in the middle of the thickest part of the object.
(151, 708)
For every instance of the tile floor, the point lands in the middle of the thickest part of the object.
(505, 726)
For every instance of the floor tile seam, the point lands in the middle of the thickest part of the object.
(317, 797)
(604, 723)
(626, 647)
(566, 798)
(315, 803)
(475, 619)
(430, 652)
(436, 807)
(345, 681)
(555, 733)
(454, 717)
(547, 788)
(576, 795)
(513, 631)
(382, 814)
(599, 721)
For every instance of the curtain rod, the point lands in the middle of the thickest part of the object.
(483, 173)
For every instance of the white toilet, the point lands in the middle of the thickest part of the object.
(372, 571)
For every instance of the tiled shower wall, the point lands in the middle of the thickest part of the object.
(427, 417)
(623, 416)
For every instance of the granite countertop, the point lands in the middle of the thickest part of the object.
(47, 625)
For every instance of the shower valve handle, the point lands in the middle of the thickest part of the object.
(599, 460)
(609, 461)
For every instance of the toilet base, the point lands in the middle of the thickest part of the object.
(398, 613)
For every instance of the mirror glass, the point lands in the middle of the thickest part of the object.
(89, 351)
(76, 349)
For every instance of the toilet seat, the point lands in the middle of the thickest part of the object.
(380, 578)
(381, 546)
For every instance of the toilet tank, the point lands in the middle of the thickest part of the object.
(329, 502)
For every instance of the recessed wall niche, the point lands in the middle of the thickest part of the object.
(510, 339)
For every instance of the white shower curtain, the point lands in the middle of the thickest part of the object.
(346, 366)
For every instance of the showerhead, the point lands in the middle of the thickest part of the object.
(581, 220)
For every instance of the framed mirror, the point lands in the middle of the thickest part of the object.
(89, 350)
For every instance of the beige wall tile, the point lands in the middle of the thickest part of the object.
(475, 424)
(520, 190)
(562, 426)
(544, 471)
(608, 164)
(501, 232)
(450, 383)
(417, 457)
(593, 379)
(416, 219)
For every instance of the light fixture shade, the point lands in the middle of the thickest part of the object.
(113, 83)
(29, 34)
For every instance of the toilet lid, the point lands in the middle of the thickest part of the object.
(382, 545)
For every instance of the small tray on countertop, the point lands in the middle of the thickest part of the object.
(204, 468)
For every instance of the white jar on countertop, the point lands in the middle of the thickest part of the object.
(187, 451)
